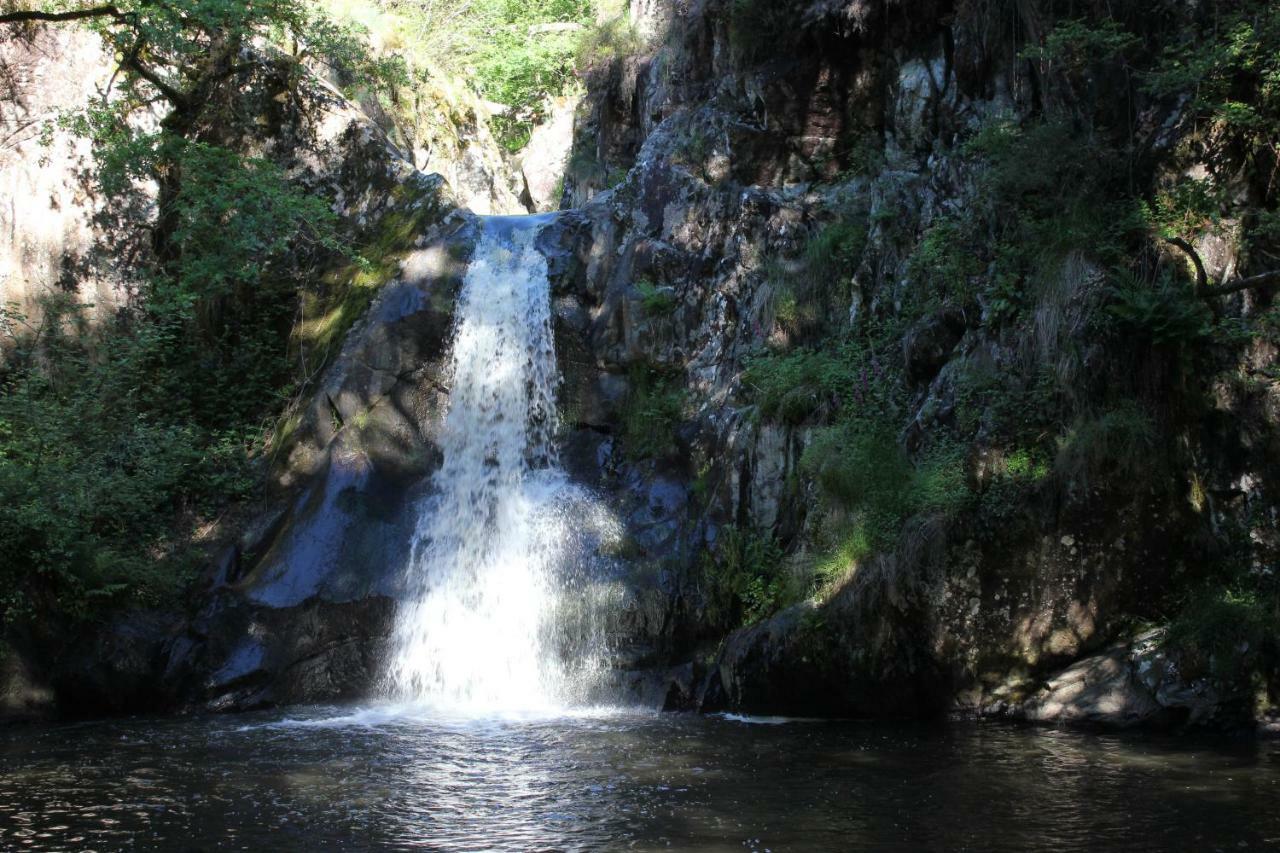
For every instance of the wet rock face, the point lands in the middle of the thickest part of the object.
(797, 663)
(318, 651)
(301, 607)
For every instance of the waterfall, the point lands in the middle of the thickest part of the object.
(496, 555)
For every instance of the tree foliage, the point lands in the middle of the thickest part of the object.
(119, 441)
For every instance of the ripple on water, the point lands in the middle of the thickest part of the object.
(407, 777)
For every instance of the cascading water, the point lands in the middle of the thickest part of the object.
(484, 625)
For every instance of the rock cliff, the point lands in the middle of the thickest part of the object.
(790, 193)
(845, 309)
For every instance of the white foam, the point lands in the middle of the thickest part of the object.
(478, 631)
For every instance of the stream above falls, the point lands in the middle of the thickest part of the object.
(395, 779)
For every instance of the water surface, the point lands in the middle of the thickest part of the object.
(327, 778)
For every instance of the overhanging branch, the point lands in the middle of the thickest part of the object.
(1202, 278)
(59, 17)
(1261, 280)
(175, 97)
(1204, 291)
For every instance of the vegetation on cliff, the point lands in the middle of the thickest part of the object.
(119, 442)
(515, 55)
(983, 320)
(1094, 341)
(122, 444)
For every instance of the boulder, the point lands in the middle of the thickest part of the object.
(1136, 683)
(1100, 689)
(544, 159)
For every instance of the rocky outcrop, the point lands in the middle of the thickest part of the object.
(735, 163)
(460, 148)
(702, 171)
(1128, 685)
(544, 160)
(50, 247)
(300, 606)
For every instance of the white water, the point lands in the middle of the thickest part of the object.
(483, 625)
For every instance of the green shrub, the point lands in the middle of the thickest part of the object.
(1121, 442)
(789, 388)
(611, 38)
(1046, 191)
(656, 301)
(104, 442)
(1006, 499)
(787, 311)
(855, 543)
(1025, 465)
(1005, 406)
(862, 470)
(859, 468)
(832, 254)
(945, 265)
(746, 578)
(941, 480)
(516, 54)
(1079, 43)
(806, 384)
(1229, 64)
(655, 407)
(1167, 314)
(116, 441)
(1227, 633)
(1186, 207)
(813, 291)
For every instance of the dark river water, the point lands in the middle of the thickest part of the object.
(328, 779)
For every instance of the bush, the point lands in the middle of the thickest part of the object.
(746, 578)
(832, 255)
(1079, 43)
(810, 383)
(116, 442)
(945, 266)
(794, 387)
(1121, 442)
(655, 407)
(516, 54)
(656, 301)
(1046, 191)
(1166, 314)
(864, 474)
(1229, 64)
(612, 38)
(1226, 633)
(856, 543)
(97, 462)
